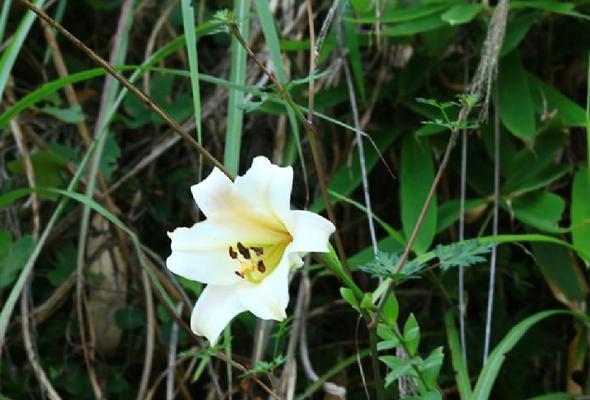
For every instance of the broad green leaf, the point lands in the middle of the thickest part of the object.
(462, 13)
(561, 274)
(411, 335)
(348, 296)
(516, 30)
(448, 213)
(580, 209)
(416, 177)
(413, 27)
(540, 210)
(431, 367)
(390, 310)
(547, 100)
(516, 109)
(15, 258)
(398, 366)
(397, 14)
(47, 168)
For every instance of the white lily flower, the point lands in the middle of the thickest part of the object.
(245, 248)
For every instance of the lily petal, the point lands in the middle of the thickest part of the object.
(265, 189)
(311, 232)
(269, 298)
(213, 194)
(216, 307)
(201, 253)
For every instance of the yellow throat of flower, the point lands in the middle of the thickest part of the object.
(257, 261)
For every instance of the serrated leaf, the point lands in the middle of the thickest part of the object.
(461, 254)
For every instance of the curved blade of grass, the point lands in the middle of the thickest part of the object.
(51, 87)
(188, 22)
(459, 365)
(9, 56)
(490, 370)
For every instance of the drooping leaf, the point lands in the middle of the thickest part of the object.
(462, 13)
(516, 110)
(416, 177)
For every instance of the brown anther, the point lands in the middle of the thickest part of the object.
(232, 253)
(261, 267)
(244, 251)
(240, 274)
(258, 251)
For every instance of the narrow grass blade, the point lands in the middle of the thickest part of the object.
(11, 52)
(188, 21)
(235, 114)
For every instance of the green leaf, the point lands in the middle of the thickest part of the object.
(580, 209)
(399, 368)
(516, 110)
(411, 335)
(548, 100)
(66, 263)
(188, 23)
(516, 30)
(461, 254)
(459, 364)
(562, 275)
(390, 310)
(70, 115)
(416, 177)
(448, 213)
(348, 296)
(128, 318)
(235, 114)
(47, 168)
(461, 13)
(431, 367)
(414, 27)
(540, 210)
(14, 45)
(111, 153)
(15, 258)
(491, 368)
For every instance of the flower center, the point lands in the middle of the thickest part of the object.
(257, 262)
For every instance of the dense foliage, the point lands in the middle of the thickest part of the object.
(88, 306)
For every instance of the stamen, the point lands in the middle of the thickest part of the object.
(243, 251)
(232, 253)
(261, 267)
(258, 251)
(240, 274)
